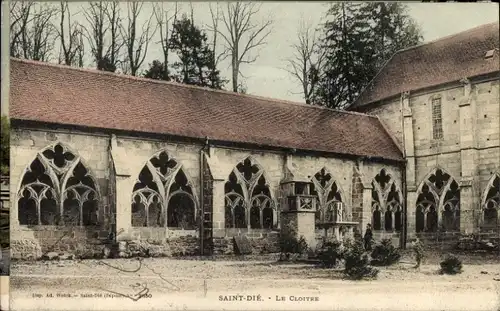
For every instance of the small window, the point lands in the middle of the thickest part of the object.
(437, 121)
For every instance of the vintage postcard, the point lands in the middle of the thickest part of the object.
(250, 156)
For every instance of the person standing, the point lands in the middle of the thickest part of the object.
(368, 237)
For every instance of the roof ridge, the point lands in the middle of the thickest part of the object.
(176, 84)
(355, 103)
(445, 37)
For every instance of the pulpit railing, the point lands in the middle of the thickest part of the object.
(302, 202)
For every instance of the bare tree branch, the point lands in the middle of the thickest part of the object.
(239, 22)
(96, 18)
(137, 44)
(31, 31)
(163, 19)
(116, 41)
(70, 44)
(306, 61)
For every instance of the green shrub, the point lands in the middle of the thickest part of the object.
(451, 265)
(290, 244)
(330, 253)
(385, 254)
(357, 265)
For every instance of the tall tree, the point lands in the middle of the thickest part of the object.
(343, 44)
(71, 45)
(195, 56)
(242, 34)
(164, 17)
(156, 71)
(305, 64)
(137, 41)
(32, 34)
(103, 34)
(96, 32)
(358, 39)
(392, 29)
(215, 13)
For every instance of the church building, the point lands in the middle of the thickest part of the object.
(181, 170)
(441, 102)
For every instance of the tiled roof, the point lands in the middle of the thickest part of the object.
(449, 59)
(82, 97)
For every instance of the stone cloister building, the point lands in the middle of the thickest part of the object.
(178, 169)
(441, 102)
(107, 155)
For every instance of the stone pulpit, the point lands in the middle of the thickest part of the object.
(336, 221)
(298, 209)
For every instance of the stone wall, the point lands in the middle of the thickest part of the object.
(115, 163)
(469, 150)
(389, 112)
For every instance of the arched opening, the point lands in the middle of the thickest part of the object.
(398, 219)
(267, 215)
(240, 217)
(420, 218)
(248, 197)
(255, 217)
(56, 172)
(328, 197)
(139, 218)
(228, 216)
(386, 197)
(432, 219)
(181, 212)
(163, 196)
(388, 220)
(491, 207)
(440, 188)
(154, 212)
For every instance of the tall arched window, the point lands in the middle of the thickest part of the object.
(438, 203)
(163, 196)
(57, 189)
(491, 204)
(248, 198)
(386, 204)
(330, 203)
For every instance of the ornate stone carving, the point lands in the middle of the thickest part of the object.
(57, 189)
(248, 198)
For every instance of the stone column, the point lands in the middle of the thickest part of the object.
(124, 186)
(411, 211)
(366, 217)
(123, 206)
(469, 187)
(218, 215)
(411, 178)
(304, 224)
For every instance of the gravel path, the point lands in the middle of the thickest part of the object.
(196, 285)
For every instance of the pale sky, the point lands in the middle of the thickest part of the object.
(266, 77)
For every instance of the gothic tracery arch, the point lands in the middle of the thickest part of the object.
(386, 203)
(438, 203)
(58, 189)
(163, 195)
(248, 199)
(329, 196)
(491, 204)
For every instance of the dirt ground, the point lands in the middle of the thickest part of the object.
(210, 284)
